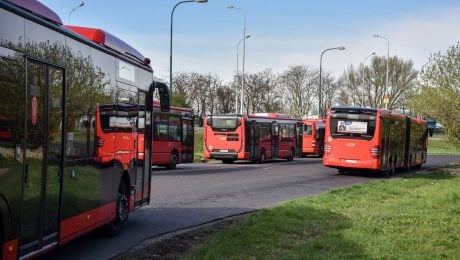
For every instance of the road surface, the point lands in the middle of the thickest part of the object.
(194, 194)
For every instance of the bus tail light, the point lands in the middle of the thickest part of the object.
(313, 143)
(327, 148)
(375, 152)
(99, 142)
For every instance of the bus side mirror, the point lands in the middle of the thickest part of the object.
(164, 93)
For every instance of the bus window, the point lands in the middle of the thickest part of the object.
(355, 126)
(174, 128)
(224, 122)
(307, 130)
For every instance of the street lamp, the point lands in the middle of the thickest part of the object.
(364, 62)
(244, 54)
(236, 90)
(340, 48)
(73, 10)
(388, 57)
(171, 39)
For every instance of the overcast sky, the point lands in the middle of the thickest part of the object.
(283, 33)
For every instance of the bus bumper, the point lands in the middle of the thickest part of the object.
(345, 163)
(224, 155)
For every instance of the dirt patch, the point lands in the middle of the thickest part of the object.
(177, 244)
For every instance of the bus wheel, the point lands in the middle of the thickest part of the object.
(262, 157)
(173, 160)
(291, 155)
(228, 161)
(121, 213)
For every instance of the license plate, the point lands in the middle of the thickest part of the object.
(351, 161)
(224, 151)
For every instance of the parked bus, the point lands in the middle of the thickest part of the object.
(373, 139)
(173, 134)
(173, 137)
(255, 137)
(53, 186)
(313, 137)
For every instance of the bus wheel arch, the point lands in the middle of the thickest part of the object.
(173, 159)
(114, 227)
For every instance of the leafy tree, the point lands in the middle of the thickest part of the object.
(439, 91)
(179, 99)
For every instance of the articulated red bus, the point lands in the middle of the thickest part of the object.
(373, 139)
(173, 134)
(55, 184)
(255, 137)
(313, 136)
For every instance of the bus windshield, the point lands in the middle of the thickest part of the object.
(224, 123)
(360, 126)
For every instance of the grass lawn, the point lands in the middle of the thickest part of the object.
(437, 145)
(416, 217)
(198, 146)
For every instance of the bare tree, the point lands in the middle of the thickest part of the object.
(366, 86)
(299, 89)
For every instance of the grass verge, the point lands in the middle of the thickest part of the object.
(410, 218)
(198, 152)
(439, 146)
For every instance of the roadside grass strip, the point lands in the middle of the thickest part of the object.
(440, 146)
(415, 217)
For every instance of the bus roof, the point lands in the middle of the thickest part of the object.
(106, 39)
(271, 115)
(39, 9)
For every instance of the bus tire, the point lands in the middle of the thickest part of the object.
(291, 155)
(228, 161)
(262, 156)
(121, 212)
(174, 159)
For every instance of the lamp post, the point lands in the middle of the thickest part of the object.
(388, 57)
(244, 55)
(364, 62)
(340, 48)
(73, 10)
(171, 39)
(236, 90)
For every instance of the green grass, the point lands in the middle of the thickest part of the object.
(417, 217)
(198, 146)
(437, 145)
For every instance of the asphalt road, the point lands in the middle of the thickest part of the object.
(194, 194)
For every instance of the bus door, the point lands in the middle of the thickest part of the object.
(254, 140)
(299, 128)
(275, 140)
(142, 160)
(187, 139)
(42, 156)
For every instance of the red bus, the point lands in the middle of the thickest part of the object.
(54, 183)
(313, 136)
(5, 131)
(255, 137)
(373, 139)
(173, 134)
(173, 137)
